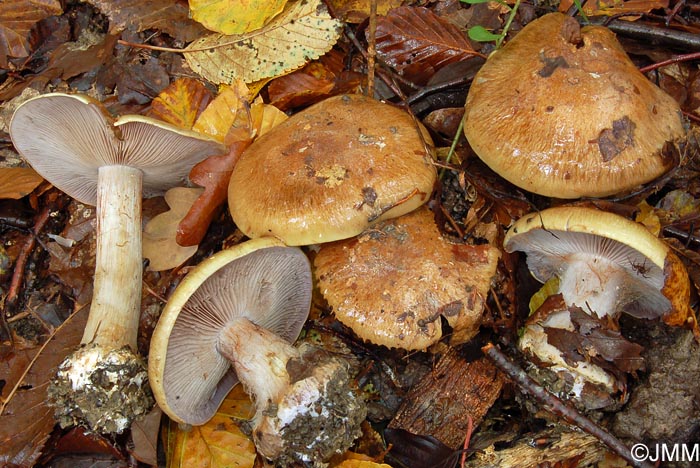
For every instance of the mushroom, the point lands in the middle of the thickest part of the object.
(330, 171)
(232, 319)
(562, 111)
(606, 264)
(73, 143)
(393, 284)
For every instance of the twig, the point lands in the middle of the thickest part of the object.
(557, 407)
(647, 32)
(26, 250)
(671, 61)
(467, 439)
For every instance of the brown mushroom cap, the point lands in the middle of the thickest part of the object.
(261, 280)
(394, 282)
(330, 171)
(632, 270)
(563, 112)
(68, 137)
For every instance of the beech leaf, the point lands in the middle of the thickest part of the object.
(303, 32)
(213, 174)
(17, 182)
(218, 443)
(181, 102)
(417, 42)
(235, 16)
(159, 244)
(17, 17)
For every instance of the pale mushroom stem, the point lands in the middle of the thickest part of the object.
(593, 284)
(259, 358)
(116, 303)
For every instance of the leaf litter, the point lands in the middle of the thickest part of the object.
(78, 51)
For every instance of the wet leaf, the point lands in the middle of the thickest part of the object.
(303, 32)
(617, 7)
(265, 117)
(159, 244)
(144, 437)
(417, 42)
(166, 15)
(181, 102)
(235, 16)
(17, 17)
(217, 444)
(213, 174)
(25, 419)
(17, 182)
(227, 115)
(681, 204)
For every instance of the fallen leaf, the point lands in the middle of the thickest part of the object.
(181, 102)
(26, 421)
(356, 11)
(144, 437)
(316, 81)
(265, 117)
(17, 18)
(227, 115)
(17, 182)
(159, 244)
(235, 16)
(617, 7)
(303, 32)
(217, 444)
(213, 174)
(417, 42)
(681, 204)
(166, 15)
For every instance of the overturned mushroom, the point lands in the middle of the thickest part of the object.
(330, 171)
(73, 143)
(232, 319)
(394, 283)
(605, 263)
(562, 111)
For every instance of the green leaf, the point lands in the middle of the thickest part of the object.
(481, 34)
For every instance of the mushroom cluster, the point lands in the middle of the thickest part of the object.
(562, 111)
(232, 320)
(73, 142)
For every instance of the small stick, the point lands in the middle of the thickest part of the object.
(26, 250)
(557, 407)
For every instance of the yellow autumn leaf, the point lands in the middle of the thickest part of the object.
(550, 288)
(648, 217)
(352, 463)
(181, 102)
(234, 16)
(303, 32)
(265, 117)
(159, 245)
(16, 182)
(228, 112)
(218, 443)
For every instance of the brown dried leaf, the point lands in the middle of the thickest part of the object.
(166, 15)
(25, 420)
(17, 17)
(17, 182)
(617, 7)
(213, 174)
(356, 11)
(159, 244)
(417, 42)
(181, 103)
(303, 32)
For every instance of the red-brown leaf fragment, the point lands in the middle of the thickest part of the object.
(17, 17)
(417, 42)
(213, 174)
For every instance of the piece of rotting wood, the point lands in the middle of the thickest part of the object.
(442, 402)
